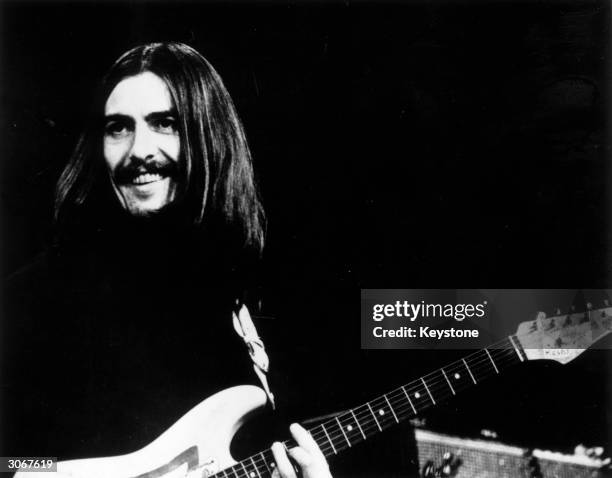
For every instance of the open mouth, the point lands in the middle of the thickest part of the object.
(147, 178)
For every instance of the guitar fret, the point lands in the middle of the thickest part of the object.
(265, 462)
(349, 428)
(246, 473)
(391, 408)
(329, 439)
(518, 352)
(427, 388)
(374, 415)
(357, 421)
(448, 381)
(458, 376)
(409, 401)
(342, 430)
(256, 467)
(469, 371)
(491, 358)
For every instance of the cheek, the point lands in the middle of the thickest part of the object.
(171, 146)
(114, 151)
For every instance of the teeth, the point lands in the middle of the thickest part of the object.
(146, 178)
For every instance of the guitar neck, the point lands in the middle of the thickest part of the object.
(403, 403)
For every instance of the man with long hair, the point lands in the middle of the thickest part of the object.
(159, 230)
(188, 160)
(209, 172)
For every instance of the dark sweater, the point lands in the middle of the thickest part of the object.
(107, 342)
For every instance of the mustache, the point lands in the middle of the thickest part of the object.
(125, 173)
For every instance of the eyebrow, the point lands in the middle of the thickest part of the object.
(151, 116)
(116, 117)
(160, 114)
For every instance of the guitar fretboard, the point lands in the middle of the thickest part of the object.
(363, 422)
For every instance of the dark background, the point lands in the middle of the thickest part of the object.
(457, 144)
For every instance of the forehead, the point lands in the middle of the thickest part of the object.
(138, 96)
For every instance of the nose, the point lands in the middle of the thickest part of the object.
(143, 144)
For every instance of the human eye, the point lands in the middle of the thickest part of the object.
(116, 129)
(165, 124)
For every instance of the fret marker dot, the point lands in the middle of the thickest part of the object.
(252, 474)
(272, 465)
(349, 428)
(381, 412)
(417, 395)
(457, 376)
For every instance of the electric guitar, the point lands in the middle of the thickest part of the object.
(198, 444)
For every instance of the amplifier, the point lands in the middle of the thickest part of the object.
(448, 456)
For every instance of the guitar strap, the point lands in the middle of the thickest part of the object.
(245, 328)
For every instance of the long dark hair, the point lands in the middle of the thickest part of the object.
(219, 179)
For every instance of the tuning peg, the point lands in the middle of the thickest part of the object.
(558, 311)
(488, 433)
(589, 306)
(542, 323)
(606, 302)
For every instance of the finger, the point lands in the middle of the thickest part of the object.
(304, 439)
(283, 465)
(310, 465)
(302, 457)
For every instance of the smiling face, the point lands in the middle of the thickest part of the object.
(142, 144)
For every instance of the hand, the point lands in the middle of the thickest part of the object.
(307, 455)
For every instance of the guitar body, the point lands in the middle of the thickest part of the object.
(200, 439)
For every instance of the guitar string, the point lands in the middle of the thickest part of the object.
(400, 410)
(239, 470)
(327, 448)
(435, 382)
(420, 396)
(403, 409)
(438, 389)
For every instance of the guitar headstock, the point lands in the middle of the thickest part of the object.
(564, 336)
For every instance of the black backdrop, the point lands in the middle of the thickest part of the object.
(448, 144)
